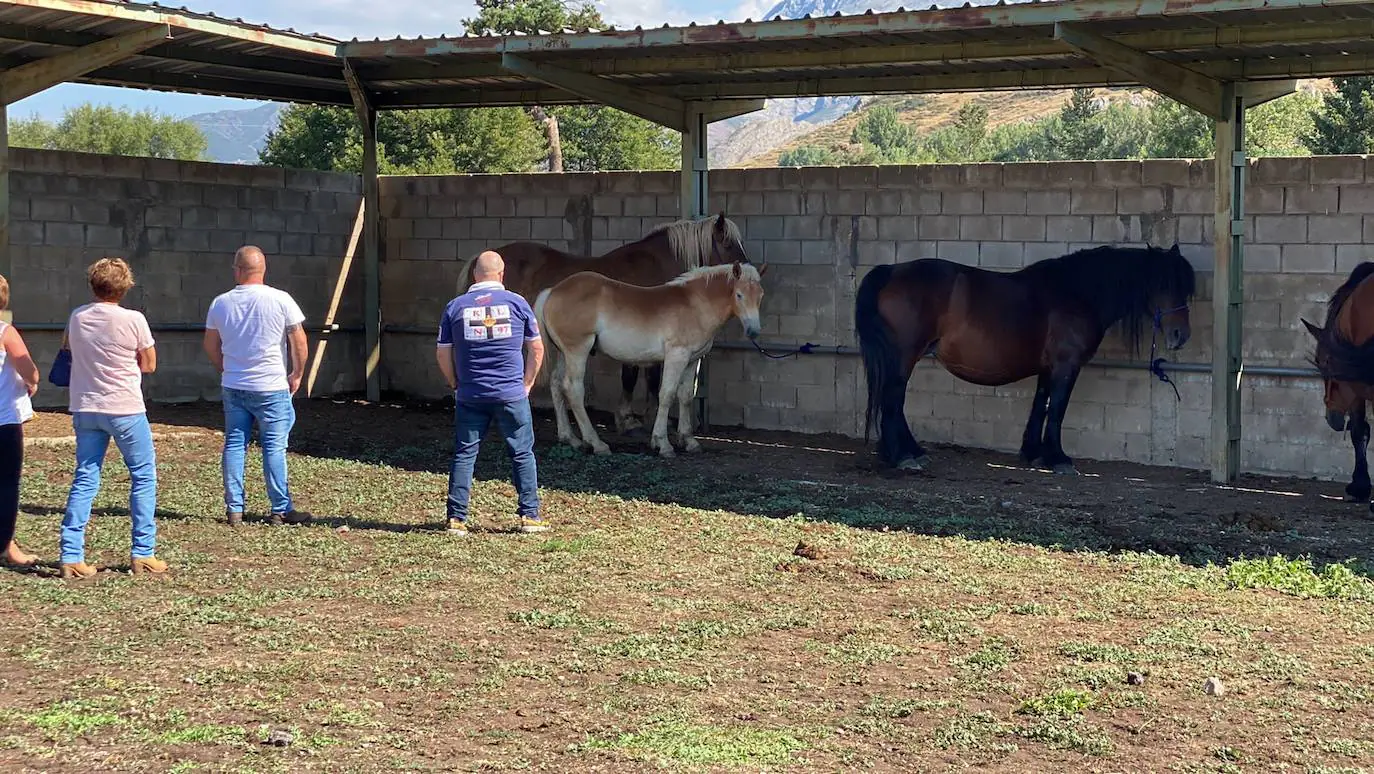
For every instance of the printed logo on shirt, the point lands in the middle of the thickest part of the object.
(483, 323)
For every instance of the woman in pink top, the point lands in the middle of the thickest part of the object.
(112, 347)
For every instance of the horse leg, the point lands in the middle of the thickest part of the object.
(558, 391)
(1035, 425)
(1061, 387)
(1358, 490)
(625, 420)
(653, 383)
(674, 371)
(574, 383)
(686, 391)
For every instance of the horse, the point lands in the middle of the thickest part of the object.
(672, 325)
(1345, 359)
(995, 328)
(656, 258)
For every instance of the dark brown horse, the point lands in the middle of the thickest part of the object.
(658, 257)
(1345, 358)
(995, 328)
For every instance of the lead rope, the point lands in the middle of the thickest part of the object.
(1157, 363)
(804, 349)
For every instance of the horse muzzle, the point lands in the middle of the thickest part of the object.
(1337, 420)
(1178, 337)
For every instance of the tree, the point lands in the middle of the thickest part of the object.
(602, 138)
(113, 131)
(809, 156)
(1176, 131)
(598, 138)
(965, 140)
(1276, 128)
(1345, 122)
(884, 138)
(1079, 133)
(408, 142)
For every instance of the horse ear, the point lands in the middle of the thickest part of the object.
(1175, 249)
(734, 270)
(1312, 329)
(720, 221)
(763, 270)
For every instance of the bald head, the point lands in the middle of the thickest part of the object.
(489, 267)
(250, 265)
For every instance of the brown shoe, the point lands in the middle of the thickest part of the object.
(291, 517)
(78, 571)
(149, 566)
(235, 518)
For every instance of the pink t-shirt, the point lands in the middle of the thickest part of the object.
(105, 340)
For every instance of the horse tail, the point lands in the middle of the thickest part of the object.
(550, 352)
(465, 275)
(881, 359)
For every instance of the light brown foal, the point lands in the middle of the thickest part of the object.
(673, 324)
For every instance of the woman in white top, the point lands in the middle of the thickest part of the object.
(18, 382)
(112, 347)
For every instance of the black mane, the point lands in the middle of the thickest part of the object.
(1119, 283)
(1337, 357)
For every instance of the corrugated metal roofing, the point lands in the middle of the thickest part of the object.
(1004, 46)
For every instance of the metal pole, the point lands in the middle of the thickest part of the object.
(6, 259)
(1227, 287)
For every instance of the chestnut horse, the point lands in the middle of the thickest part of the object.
(1345, 358)
(659, 256)
(995, 328)
(673, 324)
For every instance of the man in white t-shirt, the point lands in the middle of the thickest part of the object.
(247, 334)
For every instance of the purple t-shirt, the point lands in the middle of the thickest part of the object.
(487, 328)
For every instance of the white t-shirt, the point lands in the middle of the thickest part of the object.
(15, 406)
(252, 322)
(105, 340)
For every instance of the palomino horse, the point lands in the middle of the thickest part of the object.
(660, 255)
(995, 328)
(673, 324)
(1345, 358)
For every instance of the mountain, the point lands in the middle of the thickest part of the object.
(783, 120)
(236, 136)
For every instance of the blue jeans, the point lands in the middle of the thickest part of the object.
(133, 436)
(275, 416)
(471, 422)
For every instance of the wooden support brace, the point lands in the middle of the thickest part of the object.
(1259, 92)
(28, 79)
(662, 109)
(1189, 87)
(723, 109)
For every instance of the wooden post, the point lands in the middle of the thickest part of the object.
(6, 260)
(1227, 287)
(695, 168)
(372, 281)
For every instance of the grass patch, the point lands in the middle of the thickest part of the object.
(1299, 578)
(704, 745)
(1064, 703)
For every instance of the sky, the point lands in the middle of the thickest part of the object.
(346, 19)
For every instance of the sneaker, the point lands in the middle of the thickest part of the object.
(235, 518)
(457, 528)
(148, 566)
(77, 571)
(531, 526)
(290, 517)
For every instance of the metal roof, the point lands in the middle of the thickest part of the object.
(207, 55)
(1006, 46)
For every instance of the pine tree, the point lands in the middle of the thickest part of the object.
(1345, 122)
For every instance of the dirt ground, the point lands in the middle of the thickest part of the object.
(1108, 506)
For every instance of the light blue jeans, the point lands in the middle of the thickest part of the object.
(275, 415)
(133, 436)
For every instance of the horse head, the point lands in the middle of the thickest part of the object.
(1169, 302)
(727, 244)
(747, 286)
(1340, 396)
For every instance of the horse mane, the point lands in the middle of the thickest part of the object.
(1338, 358)
(1119, 283)
(692, 241)
(710, 272)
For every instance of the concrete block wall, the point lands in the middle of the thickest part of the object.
(178, 224)
(1309, 221)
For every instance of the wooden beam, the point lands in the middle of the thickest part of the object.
(1227, 286)
(29, 79)
(6, 257)
(372, 271)
(660, 108)
(730, 108)
(1189, 87)
(1259, 92)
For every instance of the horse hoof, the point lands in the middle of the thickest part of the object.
(691, 446)
(636, 432)
(913, 463)
(601, 451)
(1065, 469)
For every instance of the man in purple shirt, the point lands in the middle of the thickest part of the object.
(489, 352)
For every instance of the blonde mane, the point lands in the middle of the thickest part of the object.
(748, 272)
(692, 240)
